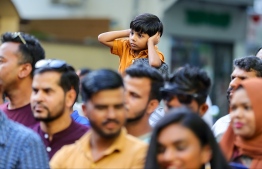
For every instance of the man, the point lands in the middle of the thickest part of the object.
(20, 147)
(18, 54)
(78, 113)
(55, 89)
(106, 145)
(142, 93)
(188, 86)
(244, 68)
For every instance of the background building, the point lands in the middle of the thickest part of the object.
(205, 33)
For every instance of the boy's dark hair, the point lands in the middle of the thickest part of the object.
(68, 78)
(157, 80)
(98, 80)
(31, 49)
(249, 63)
(192, 79)
(147, 23)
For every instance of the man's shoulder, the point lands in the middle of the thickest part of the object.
(220, 127)
(20, 132)
(223, 120)
(134, 143)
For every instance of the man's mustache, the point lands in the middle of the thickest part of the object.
(110, 121)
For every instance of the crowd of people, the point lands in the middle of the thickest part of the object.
(53, 116)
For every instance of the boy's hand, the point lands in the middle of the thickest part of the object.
(155, 39)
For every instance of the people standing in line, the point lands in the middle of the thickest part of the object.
(20, 147)
(18, 54)
(244, 68)
(107, 144)
(55, 88)
(181, 139)
(137, 42)
(241, 142)
(142, 94)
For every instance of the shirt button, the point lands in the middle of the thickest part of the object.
(46, 135)
(48, 149)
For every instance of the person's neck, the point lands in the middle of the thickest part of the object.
(140, 127)
(19, 95)
(100, 144)
(57, 125)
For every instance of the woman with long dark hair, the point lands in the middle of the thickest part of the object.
(181, 139)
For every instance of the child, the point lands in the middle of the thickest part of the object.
(144, 33)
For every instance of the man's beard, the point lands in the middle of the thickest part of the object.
(49, 117)
(101, 132)
(139, 116)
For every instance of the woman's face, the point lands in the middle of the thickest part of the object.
(242, 115)
(181, 150)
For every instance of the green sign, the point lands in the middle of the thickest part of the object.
(199, 17)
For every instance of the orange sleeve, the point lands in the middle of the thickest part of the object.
(161, 56)
(117, 48)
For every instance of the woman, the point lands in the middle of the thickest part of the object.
(181, 139)
(243, 139)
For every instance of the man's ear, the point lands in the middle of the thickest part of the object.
(203, 109)
(70, 97)
(85, 110)
(24, 70)
(151, 106)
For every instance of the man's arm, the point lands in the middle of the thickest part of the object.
(153, 57)
(108, 38)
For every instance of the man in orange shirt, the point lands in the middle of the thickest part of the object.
(144, 33)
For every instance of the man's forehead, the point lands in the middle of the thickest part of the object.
(238, 72)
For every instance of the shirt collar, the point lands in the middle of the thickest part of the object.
(118, 145)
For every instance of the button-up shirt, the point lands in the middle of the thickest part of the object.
(20, 147)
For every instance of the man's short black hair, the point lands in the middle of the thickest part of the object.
(249, 63)
(99, 80)
(31, 52)
(84, 71)
(68, 80)
(147, 23)
(191, 79)
(145, 71)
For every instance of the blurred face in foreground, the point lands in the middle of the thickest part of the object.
(242, 114)
(106, 112)
(180, 151)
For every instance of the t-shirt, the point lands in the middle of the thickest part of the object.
(67, 136)
(22, 115)
(122, 48)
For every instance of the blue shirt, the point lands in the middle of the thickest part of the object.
(20, 147)
(80, 119)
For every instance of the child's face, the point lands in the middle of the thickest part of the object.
(138, 41)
